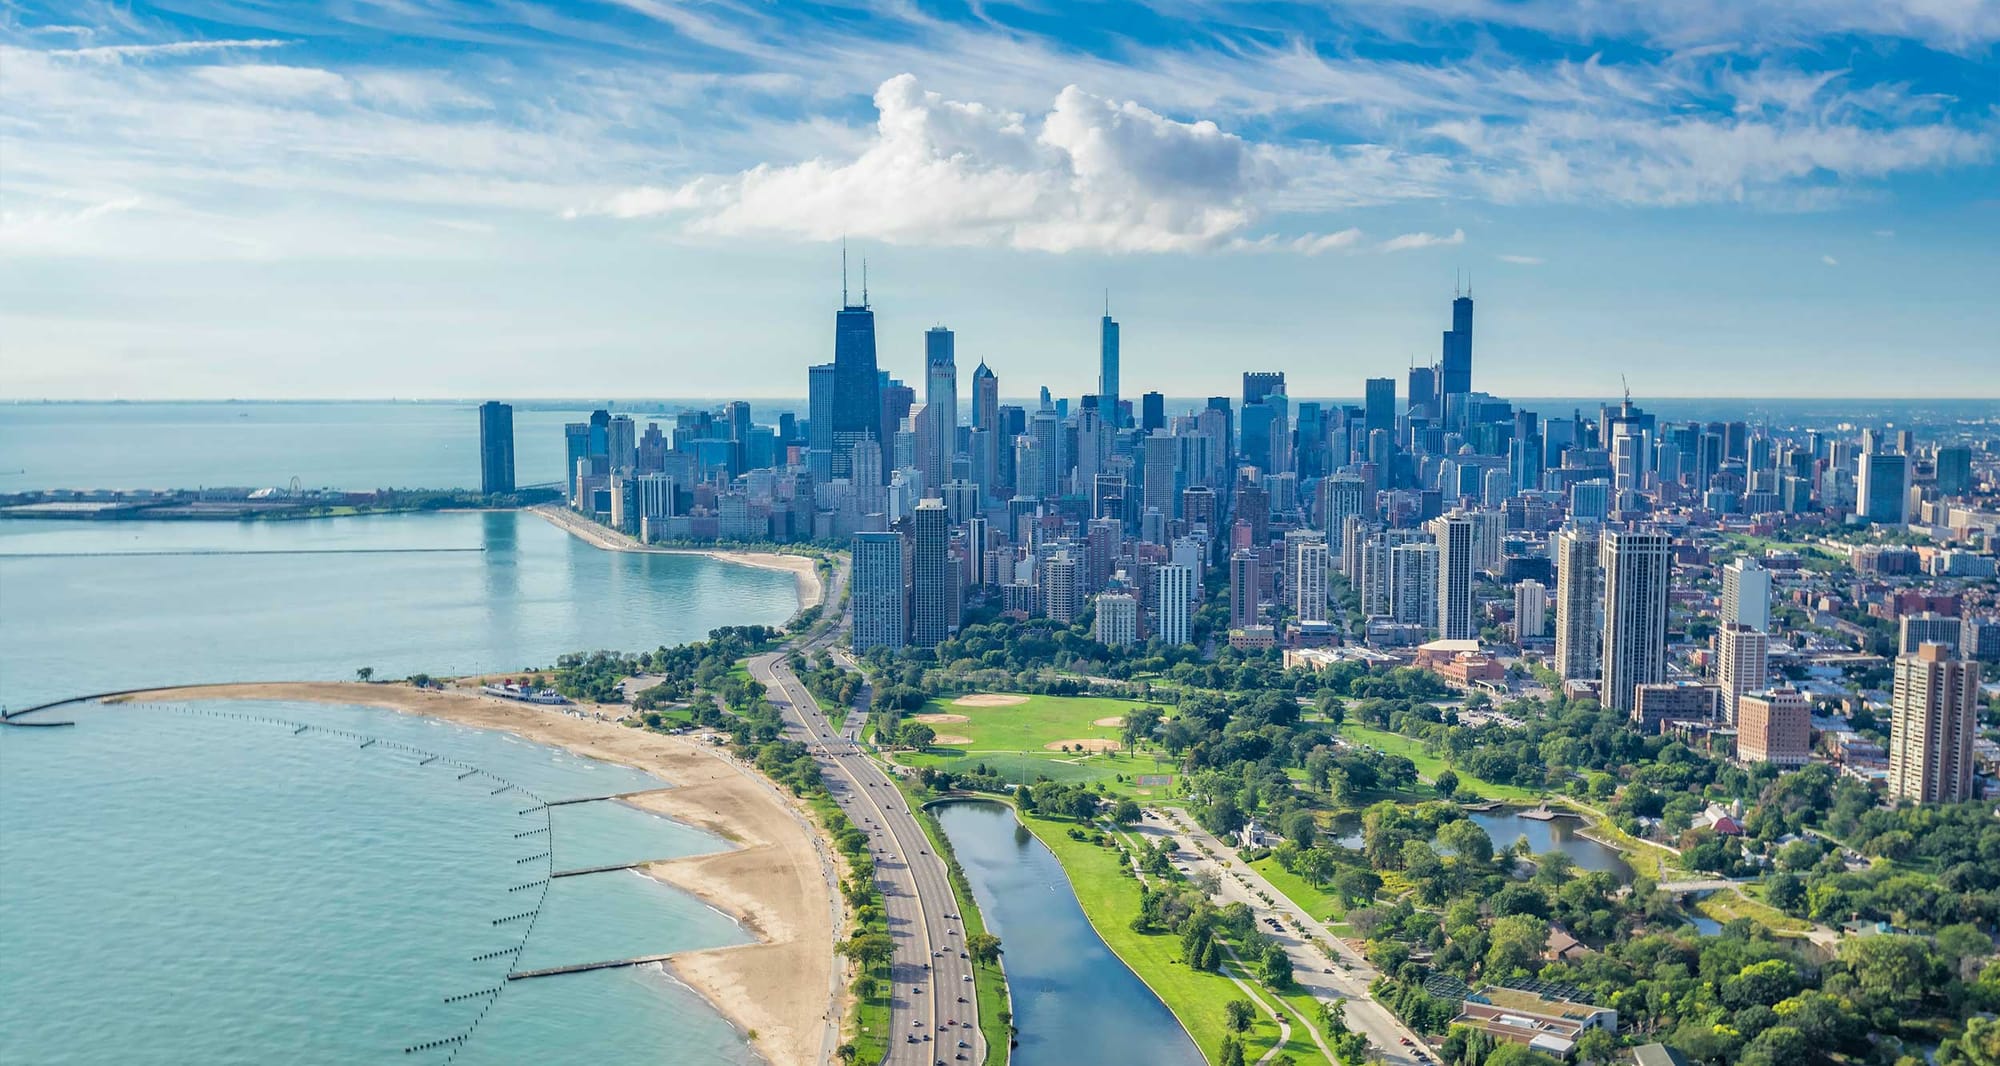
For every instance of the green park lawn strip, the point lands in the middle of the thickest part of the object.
(871, 1015)
(1320, 903)
(1110, 900)
(1428, 765)
(1071, 769)
(1732, 904)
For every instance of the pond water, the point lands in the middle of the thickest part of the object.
(1074, 1001)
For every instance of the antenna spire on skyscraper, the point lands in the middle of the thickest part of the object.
(843, 272)
(864, 281)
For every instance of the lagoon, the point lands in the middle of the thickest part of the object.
(1074, 1001)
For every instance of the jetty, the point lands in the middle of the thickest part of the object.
(602, 799)
(603, 869)
(585, 967)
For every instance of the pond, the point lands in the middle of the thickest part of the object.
(1557, 834)
(1074, 1001)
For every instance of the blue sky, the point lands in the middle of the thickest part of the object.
(430, 198)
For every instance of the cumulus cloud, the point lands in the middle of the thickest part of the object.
(1409, 241)
(1090, 174)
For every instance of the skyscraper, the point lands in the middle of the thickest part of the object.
(1379, 405)
(1309, 582)
(879, 588)
(576, 458)
(1774, 726)
(1882, 492)
(1454, 533)
(931, 579)
(1742, 664)
(1455, 368)
(1107, 366)
(1117, 622)
(1339, 496)
(496, 448)
(987, 436)
(1579, 603)
(1638, 570)
(821, 385)
(1152, 412)
(940, 430)
(1934, 718)
(1243, 581)
(1531, 609)
(1746, 593)
(857, 385)
(1258, 384)
(1173, 591)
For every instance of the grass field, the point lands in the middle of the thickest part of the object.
(1726, 906)
(1428, 765)
(1013, 741)
(1110, 900)
(1319, 903)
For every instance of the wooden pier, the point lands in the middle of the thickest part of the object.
(585, 967)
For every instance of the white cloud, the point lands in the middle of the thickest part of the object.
(1829, 260)
(1408, 241)
(1885, 233)
(268, 80)
(117, 52)
(1522, 260)
(1091, 174)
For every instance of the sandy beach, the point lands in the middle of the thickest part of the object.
(802, 568)
(775, 882)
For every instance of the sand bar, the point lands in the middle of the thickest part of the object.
(803, 568)
(775, 882)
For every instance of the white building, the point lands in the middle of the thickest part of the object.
(1531, 609)
(1117, 619)
(1173, 590)
(1746, 594)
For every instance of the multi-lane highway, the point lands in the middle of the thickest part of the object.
(933, 1013)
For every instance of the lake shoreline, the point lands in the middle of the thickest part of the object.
(804, 569)
(777, 882)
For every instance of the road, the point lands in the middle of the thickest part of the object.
(1242, 884)
(932, 997)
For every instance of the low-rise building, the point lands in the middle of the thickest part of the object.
(1547, 1025)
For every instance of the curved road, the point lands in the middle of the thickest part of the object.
(929, 977)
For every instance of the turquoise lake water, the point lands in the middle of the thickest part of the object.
(98, 606)
(183, 884)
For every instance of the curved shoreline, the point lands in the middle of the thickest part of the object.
(804, 569)
(778, 882)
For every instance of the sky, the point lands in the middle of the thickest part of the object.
(278, 199)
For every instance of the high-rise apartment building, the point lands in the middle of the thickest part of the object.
(880, 585)
(1746, 594)
(1774, 726)
(1638, 571)
(1413, 582)
(1117, 621)
(1173, 594)
(1927, 627)
(1339, 497)
(1454, 533)
(496, 448)
(1531, 610)
(932, 581)
(1244, 576)
(1309, 585)
(1742, 664)
(1579, 603)
(1062, 587)
(1934, 718)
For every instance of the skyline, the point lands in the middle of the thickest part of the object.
(422, 200)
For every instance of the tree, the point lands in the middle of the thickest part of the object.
(1300, 828)
(1124, 813)
(1232, 1051)
(1239, 1012)
(1446, 784)
(1357, 885)
(868, 949)
(1517, 940)
(1780, 1045)
(1979, 1045)
(983, 947)
(1890, 970)
(1277, 967)
(365, 674)
(847, 1052)
(917, 735)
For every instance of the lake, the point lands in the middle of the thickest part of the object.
(1074, 1001)
(99, 606)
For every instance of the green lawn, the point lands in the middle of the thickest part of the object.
(1013, 741)
(1732, 904)
(1110, 900)
(1032, 725)
(1428, 765)
(1320, 903)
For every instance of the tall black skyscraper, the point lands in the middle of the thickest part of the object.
(1379, 404)
(857, 395)
(1455, 370)
(1152, 412)
(496, 447)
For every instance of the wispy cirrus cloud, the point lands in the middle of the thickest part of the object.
(1522, 260)
(1410, 241)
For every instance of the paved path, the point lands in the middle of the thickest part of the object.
(929, 978)
(1351, 973)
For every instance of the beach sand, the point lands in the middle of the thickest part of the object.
(802, 568)
(774, 882)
